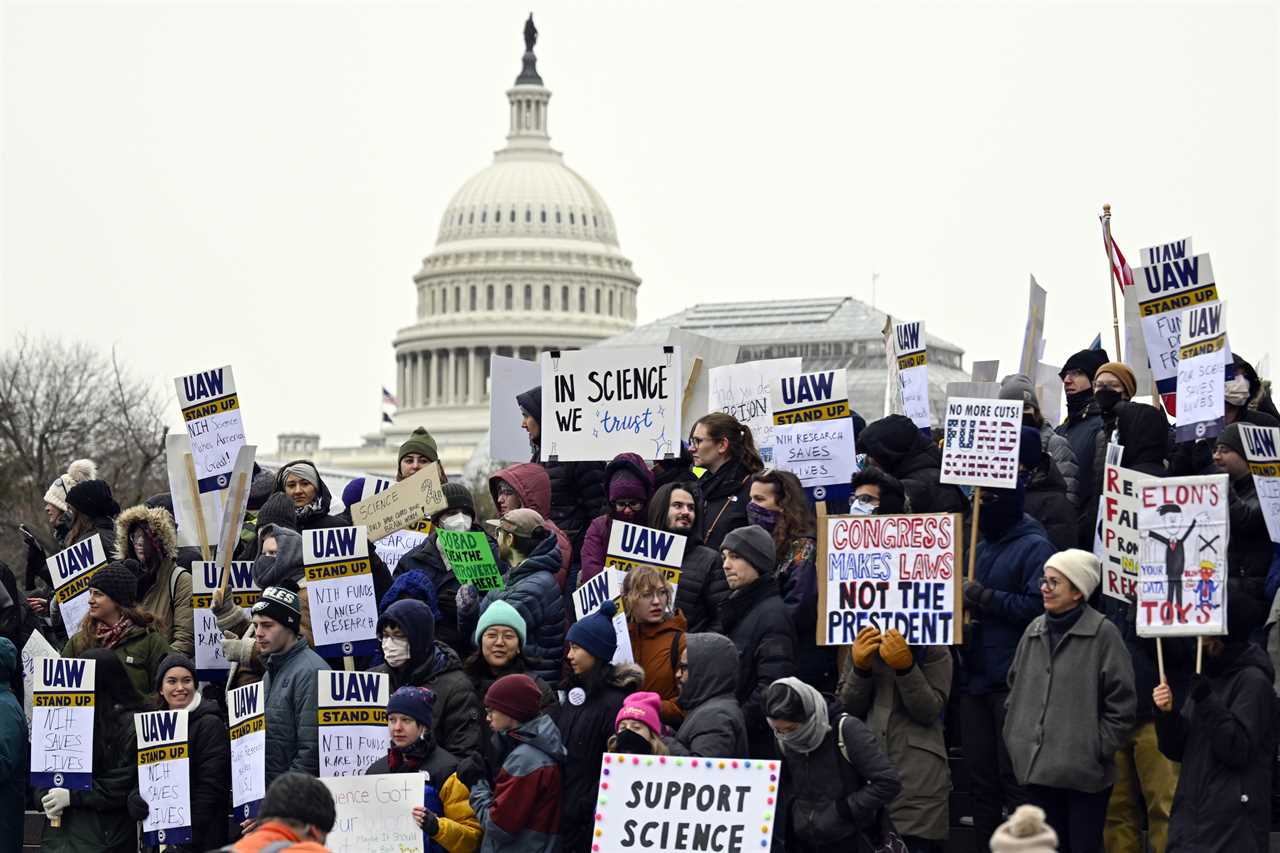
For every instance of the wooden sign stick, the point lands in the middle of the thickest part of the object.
(1160, 659)
(1199, 649)
(202, 532)
(227, 548)
(973, 543)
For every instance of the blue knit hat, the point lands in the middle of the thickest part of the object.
(352, 491)
(501, 613)
(416, 702)
(595, 633)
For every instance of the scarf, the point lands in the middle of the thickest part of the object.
(110, 636)
(408, 759)
(813, 731)
(1078, 404)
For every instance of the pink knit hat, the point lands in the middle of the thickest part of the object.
(643, 706)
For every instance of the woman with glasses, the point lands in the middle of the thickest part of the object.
(657, 635)
(629, 485)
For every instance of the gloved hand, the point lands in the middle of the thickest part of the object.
(467, 599)
(977, 596)
(138, 808)
(55, 801)
(895, 651)
(430, 823)
(472, 769)
(237, 650)
(865, 647)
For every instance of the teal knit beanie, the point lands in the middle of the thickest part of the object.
(501, 613)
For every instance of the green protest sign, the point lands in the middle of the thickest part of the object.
(470, 557)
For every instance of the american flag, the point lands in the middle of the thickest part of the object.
(1119, 266)
(388, 398)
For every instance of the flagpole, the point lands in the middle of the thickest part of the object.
(1111, 273)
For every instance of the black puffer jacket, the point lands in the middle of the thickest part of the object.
(210, 776)
(1249, 546)
(900, 449)
(756, 619)
(1047, 503)
(703, 588)
(725, 495)
(1143, 432)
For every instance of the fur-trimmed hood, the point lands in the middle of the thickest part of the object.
(628, 676)
(157, 520)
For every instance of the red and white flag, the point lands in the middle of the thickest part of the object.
(1119, 266)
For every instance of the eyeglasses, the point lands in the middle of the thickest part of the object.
(694, 441)
(1049, 583)
(654, 595)
(631, 505)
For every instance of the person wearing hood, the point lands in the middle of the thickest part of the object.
(1246, 401)
(657, 633)
(209, 755)
(1083, 420)
(413, 656)
(520, 808)
(895, 445)
(13, 748)
(577, 488)
(877, 493)
(97, 820)
(756, 620)
(527, 485)
(302, 483)
(500, 639)
(629, 485)
(1225, 738)
(678, 508)
(707, 681)
(417, 452)
(148, 536)
(727, 450)
(1072, 704)
(1018, 386)
(1143, 432)
(590, 698)
(638, 726)
(1046, 500)
(1003, 599)
(1249, 546)
(837, 783)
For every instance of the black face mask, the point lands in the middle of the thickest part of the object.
(1031, 420)
(1001, 510)
(631, 743)
(1107, 399)
(1079, 401)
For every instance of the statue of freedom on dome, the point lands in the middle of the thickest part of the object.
(530, 34)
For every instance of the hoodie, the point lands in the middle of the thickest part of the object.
(520, 811)
(595, 544)
(713, 721)
(530, 482)
(164, 589)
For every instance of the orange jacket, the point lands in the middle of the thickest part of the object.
(273, 831)
(652, 646)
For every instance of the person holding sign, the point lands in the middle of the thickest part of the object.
(727, 450)
(417, 452)
(657, 634)
(895, 445)
(629, 485)
(148, 535)
(500, 638)
(1244, 401)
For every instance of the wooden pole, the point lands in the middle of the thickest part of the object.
(348, 663)
(1199, 649)
(973, 543)
(694, 372)
(227, 547)
(1111, 274)
(1160, 659)
(202, 532)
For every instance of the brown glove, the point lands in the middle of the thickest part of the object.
(865, 646)
(895, 651)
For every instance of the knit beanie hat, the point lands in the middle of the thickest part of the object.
(1087, 361)
(890, 440)
(1230, 438)
(260, 488)
(278, 510)
(352, 491)
(595, 633)
(755, 544)
(782, 702)
(517, 696)
(280, 604)
(420, 442)
(626, 486)
(77, 472)
(93, 498)
(643, 706)
(501, 613)
(1080, 567)
(1025, 832)
(1018, 386)
(416, 702)
(1121, 372)
(1029, 451)
(301, 469)
(118, 581)
(458, 496)
(169, 662)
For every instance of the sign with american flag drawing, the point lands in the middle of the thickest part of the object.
(980, 442)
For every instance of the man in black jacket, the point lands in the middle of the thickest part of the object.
(1249, 544)
(677, 508)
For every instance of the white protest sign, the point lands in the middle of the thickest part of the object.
(405, 504)
(375, 813)
(1202, 366)
(1183, 573)
(913, 371)
(604, 586)
(1171, 251)
(632, 545)
(984, 371)
(248, 731)
(393, 546)
(164, 776)
(344, 609)
(211, 410)
(62, 724)
(1118, 531)
(177, 446)
(677, 804)
(508, 442)
(352, 708)
(980, 442)
(1262, 449)
(600, 402)
(211, 664)
(889, 571)
(813, 429)
(1049, 392)
(72, 570)
(699, 355)
(1033, 334)
(743, 390)
(33, 650)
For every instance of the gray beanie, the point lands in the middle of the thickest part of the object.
(1017, 386)
(754, 544)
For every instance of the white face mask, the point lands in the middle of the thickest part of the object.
(395, 650)
(1236, 390)
(857, 506)
(458, 522)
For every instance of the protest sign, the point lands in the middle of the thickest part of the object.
(980, 442)
(397, 507)
(344, 609)
(1201, 372)
(913, 371)
(699, 355)
(72, 570)
(196, 514)
(393, 546)
(1033, 334)
(211, 664)
(606, 585)
(468, 555)
(164, 776)
(62, 723)
(1118, 531)
(1049, 392)
(352, 708)
(632, 545)
(237, 501)
(743, 390)
(248, 732)
(600, 402)
(508, 442)
(984, 390)
(211, 411)
(813, 431)
(889, 571)
(1183, 572)
(33, 650)
(375, 813)
(676, 804)
(1262, 450)
(984, 371)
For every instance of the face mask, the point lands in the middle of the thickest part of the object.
(459, 522)
(1031, 421)
(1107, 398)
(395, 650)
(630, 743)
(858, 506)
(1079, 401)
(1236, 391)
(758, 515)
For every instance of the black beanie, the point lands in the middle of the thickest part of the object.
(282, 605)
(458, 496)
(1087, 361)
(302, 798)
(279, 510)
(169, 662)
(783, 703)
(118, 581)
(93, 498)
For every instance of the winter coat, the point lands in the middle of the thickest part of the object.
(1226, 743)
(315, 515)
(168, 596)
(1011, 567)
(713, 724)
(427, 560)
(900, 449)
(703, 588)
(140, 652)
(757, 621)
(577, 494)
(798, 585)
(482, 677)
(274, 832)
(1059, 449)
(656, 649)
(210, 751)
(1048, 503)
(1070, 709)
(14, 762)
(725, 495)
(1249, 546)
(97, 821)
(457, 822)
(1080, 431)
(531, 589)
(1143, 432)
(830, 796)
(293, 735)
(521, 811)
(905, 712)
(595, 544)
(585, 730)
(530, 482)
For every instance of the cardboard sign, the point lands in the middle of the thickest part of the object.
(211, 411)
(681, 804)
(632, 545)
(72, 571)
(508, 442)
(164, 776)
(1049, 392)
(1118, 531)
(393, 546)
(406, 503)
(889, 571)
(344, 609)
(699, 355)
(1201, 372)
(375, 813)
(211, 664)
(983, 371)
(743, 390)
(1033, 334)
(813, 430)
(600, 402)
(602, 587)
(352, 707)
(980, 442)
(1262, 449)
(1183, 574)
(468, 555)
(913, 371)
(36, 647)
(62, 724)
(248, 731)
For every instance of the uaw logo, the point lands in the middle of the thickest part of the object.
(57, 780)
(1201, 428)
(819, 493)
(347, 648)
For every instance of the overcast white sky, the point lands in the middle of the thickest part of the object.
(257, 184)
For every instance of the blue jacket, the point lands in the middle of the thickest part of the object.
(1011, 567)
(532, 590)
(293, 726)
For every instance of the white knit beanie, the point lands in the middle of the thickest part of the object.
(1080, 567)
(1025, 832)
(77, 472)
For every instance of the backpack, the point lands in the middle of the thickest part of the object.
(889, 840)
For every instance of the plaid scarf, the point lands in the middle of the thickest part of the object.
(110, 636)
